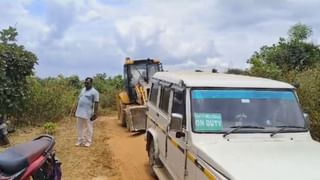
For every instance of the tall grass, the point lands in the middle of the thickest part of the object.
(53, 98)
(49, 100)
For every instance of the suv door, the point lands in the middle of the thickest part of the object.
(154, 119)
(162, 116)
(176, 147)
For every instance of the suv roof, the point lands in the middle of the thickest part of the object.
(208, 79)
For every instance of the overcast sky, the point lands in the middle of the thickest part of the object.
(88, 37)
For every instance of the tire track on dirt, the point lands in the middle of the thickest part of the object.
(129, 151)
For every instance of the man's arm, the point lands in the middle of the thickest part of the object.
(95, 112)
(96, 106)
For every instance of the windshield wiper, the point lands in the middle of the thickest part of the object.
(236, 128)
(282, 128)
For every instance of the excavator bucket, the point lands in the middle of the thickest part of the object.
(136, 117)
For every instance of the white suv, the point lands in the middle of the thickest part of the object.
(217, 126)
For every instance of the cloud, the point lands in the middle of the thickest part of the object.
(88, 37)
(59, 17)
(161, 36)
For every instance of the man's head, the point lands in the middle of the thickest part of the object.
(88, 83)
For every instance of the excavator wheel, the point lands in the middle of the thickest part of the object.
(122, 114)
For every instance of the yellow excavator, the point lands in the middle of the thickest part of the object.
(132, 101)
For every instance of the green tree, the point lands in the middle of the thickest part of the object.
(262, 68)
(8, 35)
(299, 32)
(16, 64)
(292, 54)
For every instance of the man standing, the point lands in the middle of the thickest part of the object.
(86, 112)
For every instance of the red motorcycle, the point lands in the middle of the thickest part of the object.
(34, 159)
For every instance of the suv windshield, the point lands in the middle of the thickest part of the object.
(220, 110)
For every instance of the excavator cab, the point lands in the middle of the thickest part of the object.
(139, 72)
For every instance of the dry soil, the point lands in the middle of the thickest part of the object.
(115, 153)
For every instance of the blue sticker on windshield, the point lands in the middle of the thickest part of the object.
(208, 122)
(242, 94)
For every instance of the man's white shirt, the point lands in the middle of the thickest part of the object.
(87, 98)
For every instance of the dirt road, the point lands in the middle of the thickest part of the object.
(129, 151)
(115, 153)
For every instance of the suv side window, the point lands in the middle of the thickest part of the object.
(164, 100)
(154, 93)
(178, 105)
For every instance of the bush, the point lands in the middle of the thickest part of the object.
(49, 100)
(49, 128)
(108, 88)
(309, 95)
(309, 92)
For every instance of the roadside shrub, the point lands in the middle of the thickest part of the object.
(309, 95)
(108, 88)
(49, 100)
(309, 92)
(49, 128)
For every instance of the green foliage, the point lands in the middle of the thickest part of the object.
(309, 92)
(293, 54)
(49, 128)
(16, 64)
(74, 81)
(237, 71)
(294, 60)
(263, 69)
(309, 95)
(52, 98)
(49, 100)
(8, 35)
(108, 87)
(299, 32)
(31, 100)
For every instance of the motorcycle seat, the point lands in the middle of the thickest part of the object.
(18, 157)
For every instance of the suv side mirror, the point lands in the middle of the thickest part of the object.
(307, 119)
(176, 121)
